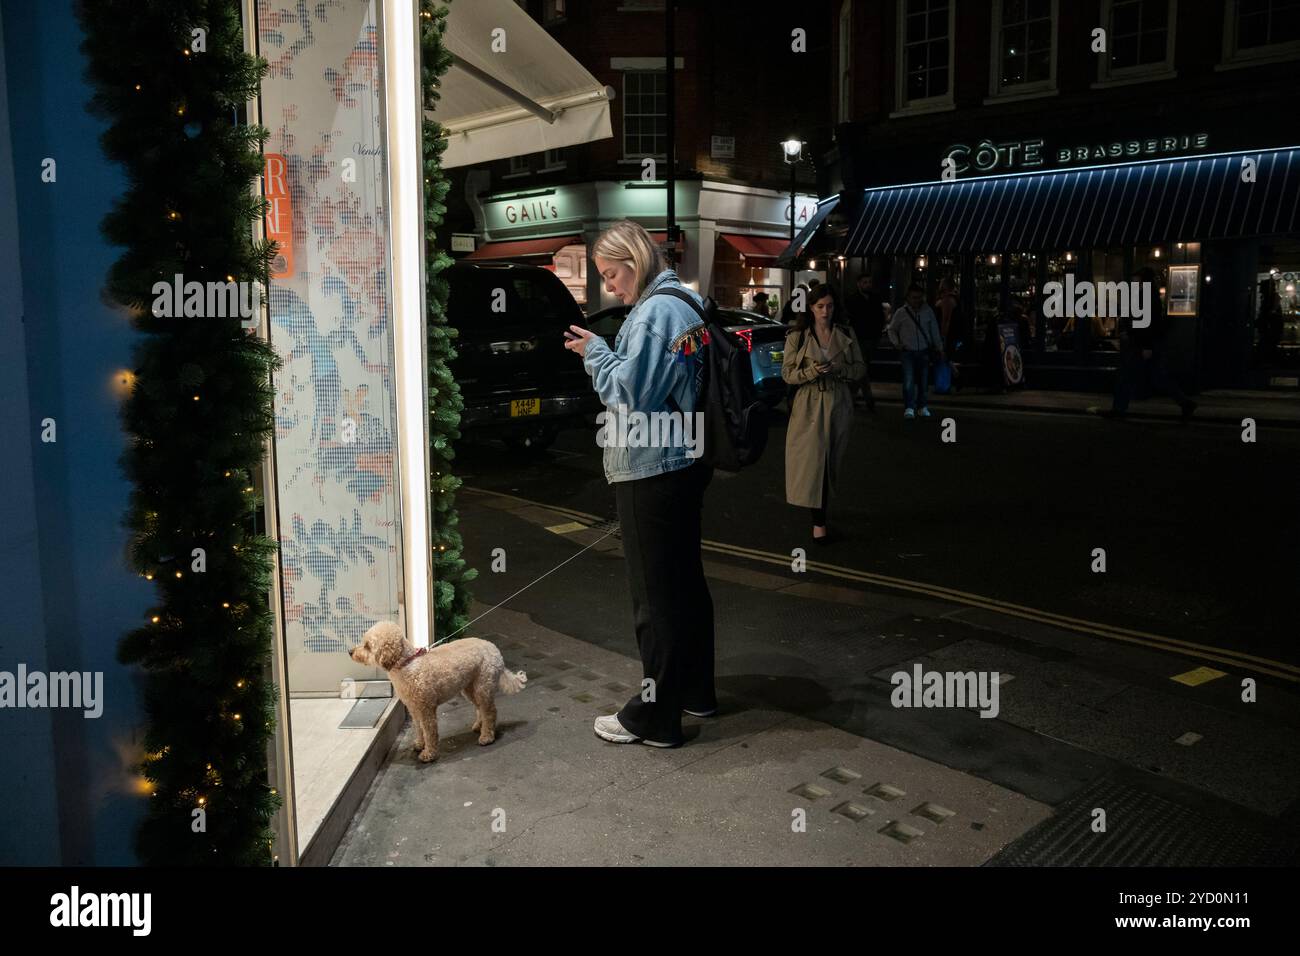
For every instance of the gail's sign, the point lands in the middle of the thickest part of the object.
(988, 156)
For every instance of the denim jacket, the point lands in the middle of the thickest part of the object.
(654, 357)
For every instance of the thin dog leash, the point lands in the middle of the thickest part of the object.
(524, 588)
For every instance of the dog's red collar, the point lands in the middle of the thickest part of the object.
(410, 657)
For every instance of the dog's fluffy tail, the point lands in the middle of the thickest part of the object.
(512, 682)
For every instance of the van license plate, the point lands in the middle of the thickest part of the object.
(525, 406)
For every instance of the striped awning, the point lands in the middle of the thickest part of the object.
(795, 249)
(1133, 203)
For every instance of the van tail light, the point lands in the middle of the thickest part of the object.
(747, 336)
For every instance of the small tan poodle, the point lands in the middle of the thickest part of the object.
(425, 678)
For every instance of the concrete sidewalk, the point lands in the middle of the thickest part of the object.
(1220, 406)
(549, 792)
(807, 731)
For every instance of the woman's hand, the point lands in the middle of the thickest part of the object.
(576, 339)
(823, 368)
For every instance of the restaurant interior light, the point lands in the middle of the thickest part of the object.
(792, 148)
(920, 262)
(812, 263)
(1069, 257)
(1156, 252)
(993, 260)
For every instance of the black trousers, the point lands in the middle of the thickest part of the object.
(671, 604)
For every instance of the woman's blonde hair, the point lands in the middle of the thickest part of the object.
(625, 241)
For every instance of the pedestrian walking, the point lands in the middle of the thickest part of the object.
(760, 304)
(952, 328)
(867, 319)
(1142, 357)
(915, 333)
(822, 360)
(659, 491)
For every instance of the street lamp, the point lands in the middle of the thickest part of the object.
(792, 153)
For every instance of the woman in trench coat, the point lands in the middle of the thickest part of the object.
(823, 360)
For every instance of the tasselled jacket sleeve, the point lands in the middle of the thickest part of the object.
(642, 379)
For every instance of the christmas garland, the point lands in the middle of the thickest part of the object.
(171, 78)
(451, 595)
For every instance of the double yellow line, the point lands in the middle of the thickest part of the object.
(1237, 659)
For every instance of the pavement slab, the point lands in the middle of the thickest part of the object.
(755, 786)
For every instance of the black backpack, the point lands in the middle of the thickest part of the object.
(735, 419)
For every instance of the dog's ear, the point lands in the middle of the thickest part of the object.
(386, 646)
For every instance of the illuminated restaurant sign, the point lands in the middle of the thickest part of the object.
(988, 156)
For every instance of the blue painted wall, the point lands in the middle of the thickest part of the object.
(65, 789)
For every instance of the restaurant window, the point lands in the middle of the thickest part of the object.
(1108, 266)
(1276, 306)
(1022, 288)
(988, 295)
(846, 58)
(1139, 39)
(925, 54)
(1257, 30)
(1024, 54)
(645, 114)
(553, 159)
(519, 165)
(1049, 330)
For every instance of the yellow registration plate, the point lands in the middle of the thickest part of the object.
(777, 356)
(525, 406)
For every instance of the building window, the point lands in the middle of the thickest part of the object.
(552, 10)
(553, 159)
(925, 53)
(1139, 39)
(846, 58)
(1258, 30)
(1024, 54)
(645, 115)
(519, 165)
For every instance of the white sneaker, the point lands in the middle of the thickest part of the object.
(925, 411)
(608, 728)
(908, 413)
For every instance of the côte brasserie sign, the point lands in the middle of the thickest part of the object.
(988, 156)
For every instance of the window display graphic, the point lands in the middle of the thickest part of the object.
(330, 323)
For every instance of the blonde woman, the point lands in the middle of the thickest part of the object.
(659, 490)
(822, 360)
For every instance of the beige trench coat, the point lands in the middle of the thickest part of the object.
(820, 417)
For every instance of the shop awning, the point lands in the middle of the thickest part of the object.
(795, 249)
(534, 98)
(758, 250)
(524, 248)
(1134, 203)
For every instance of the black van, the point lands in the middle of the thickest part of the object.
(518, 381)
